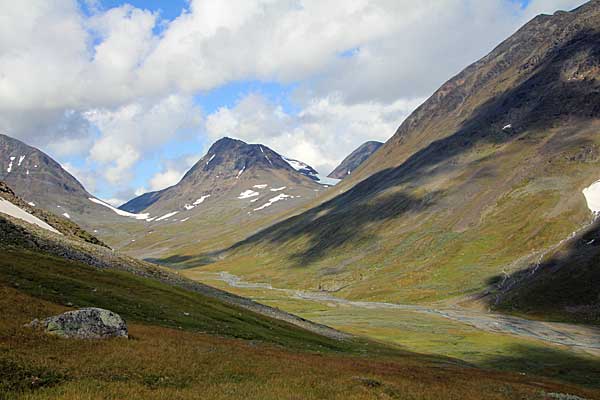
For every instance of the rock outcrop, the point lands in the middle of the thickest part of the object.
(86, 323)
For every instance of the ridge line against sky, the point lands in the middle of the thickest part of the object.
(127, 96)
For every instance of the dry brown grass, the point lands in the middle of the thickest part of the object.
(163, 363)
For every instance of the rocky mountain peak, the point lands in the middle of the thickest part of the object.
(355, 159)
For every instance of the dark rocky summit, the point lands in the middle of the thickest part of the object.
(355, 159)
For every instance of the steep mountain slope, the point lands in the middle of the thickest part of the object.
(355, 159)
(43, 183)
(234, 190)
(482, 178)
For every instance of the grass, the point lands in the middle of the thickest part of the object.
(434, 335)
(217, 352)
(159, 363)
(144, 300)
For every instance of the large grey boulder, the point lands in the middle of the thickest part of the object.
(86, 323)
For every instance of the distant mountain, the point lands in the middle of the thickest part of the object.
(229, 169)
(236, 188)
(355, 159)
(475, 186)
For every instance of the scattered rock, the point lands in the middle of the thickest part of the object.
(86, 323)
(367, 382)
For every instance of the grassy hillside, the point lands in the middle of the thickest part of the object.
(174, 355)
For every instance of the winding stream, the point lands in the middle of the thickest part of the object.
(583, 337)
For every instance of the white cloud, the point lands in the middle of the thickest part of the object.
(139, 127)
(110, 88)
(323, 133)
(172, 172)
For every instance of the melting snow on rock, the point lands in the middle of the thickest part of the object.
(278, 189)
(201, 199)
(273, 200)
(167, 215)
(247, 194)
(10, 164)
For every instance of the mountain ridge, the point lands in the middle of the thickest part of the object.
(355, 159)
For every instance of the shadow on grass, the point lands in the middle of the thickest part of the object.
(549, 362)
(183, 262)
(565, 287)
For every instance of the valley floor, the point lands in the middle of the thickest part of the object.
(564, 351)
(183, 345)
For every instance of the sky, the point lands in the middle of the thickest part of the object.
(127, 96)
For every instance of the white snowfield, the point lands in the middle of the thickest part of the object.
(247, 194)
(323, 180)
(273, 200)
(122, 213)
(168, 215)
(592, 197)
(6, 207)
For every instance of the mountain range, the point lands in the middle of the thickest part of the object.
(472, 236)
(481, 181)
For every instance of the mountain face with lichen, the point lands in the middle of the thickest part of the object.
(355, 159)
(478, 183)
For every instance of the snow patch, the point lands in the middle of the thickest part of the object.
(241, 172)
(247, 194)
(185, 219)
(9, 208)
(509, 126)
(66, 215)
(278, 189)
(273, 200)
(167, 215)
(210, 159)
(201, 199)
(10, 164)
(261, 186)
(592, 197)
(31, 203)
(122, 213)
(310, 172)
(20, 160)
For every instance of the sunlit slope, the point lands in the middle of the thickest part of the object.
(481, 179)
